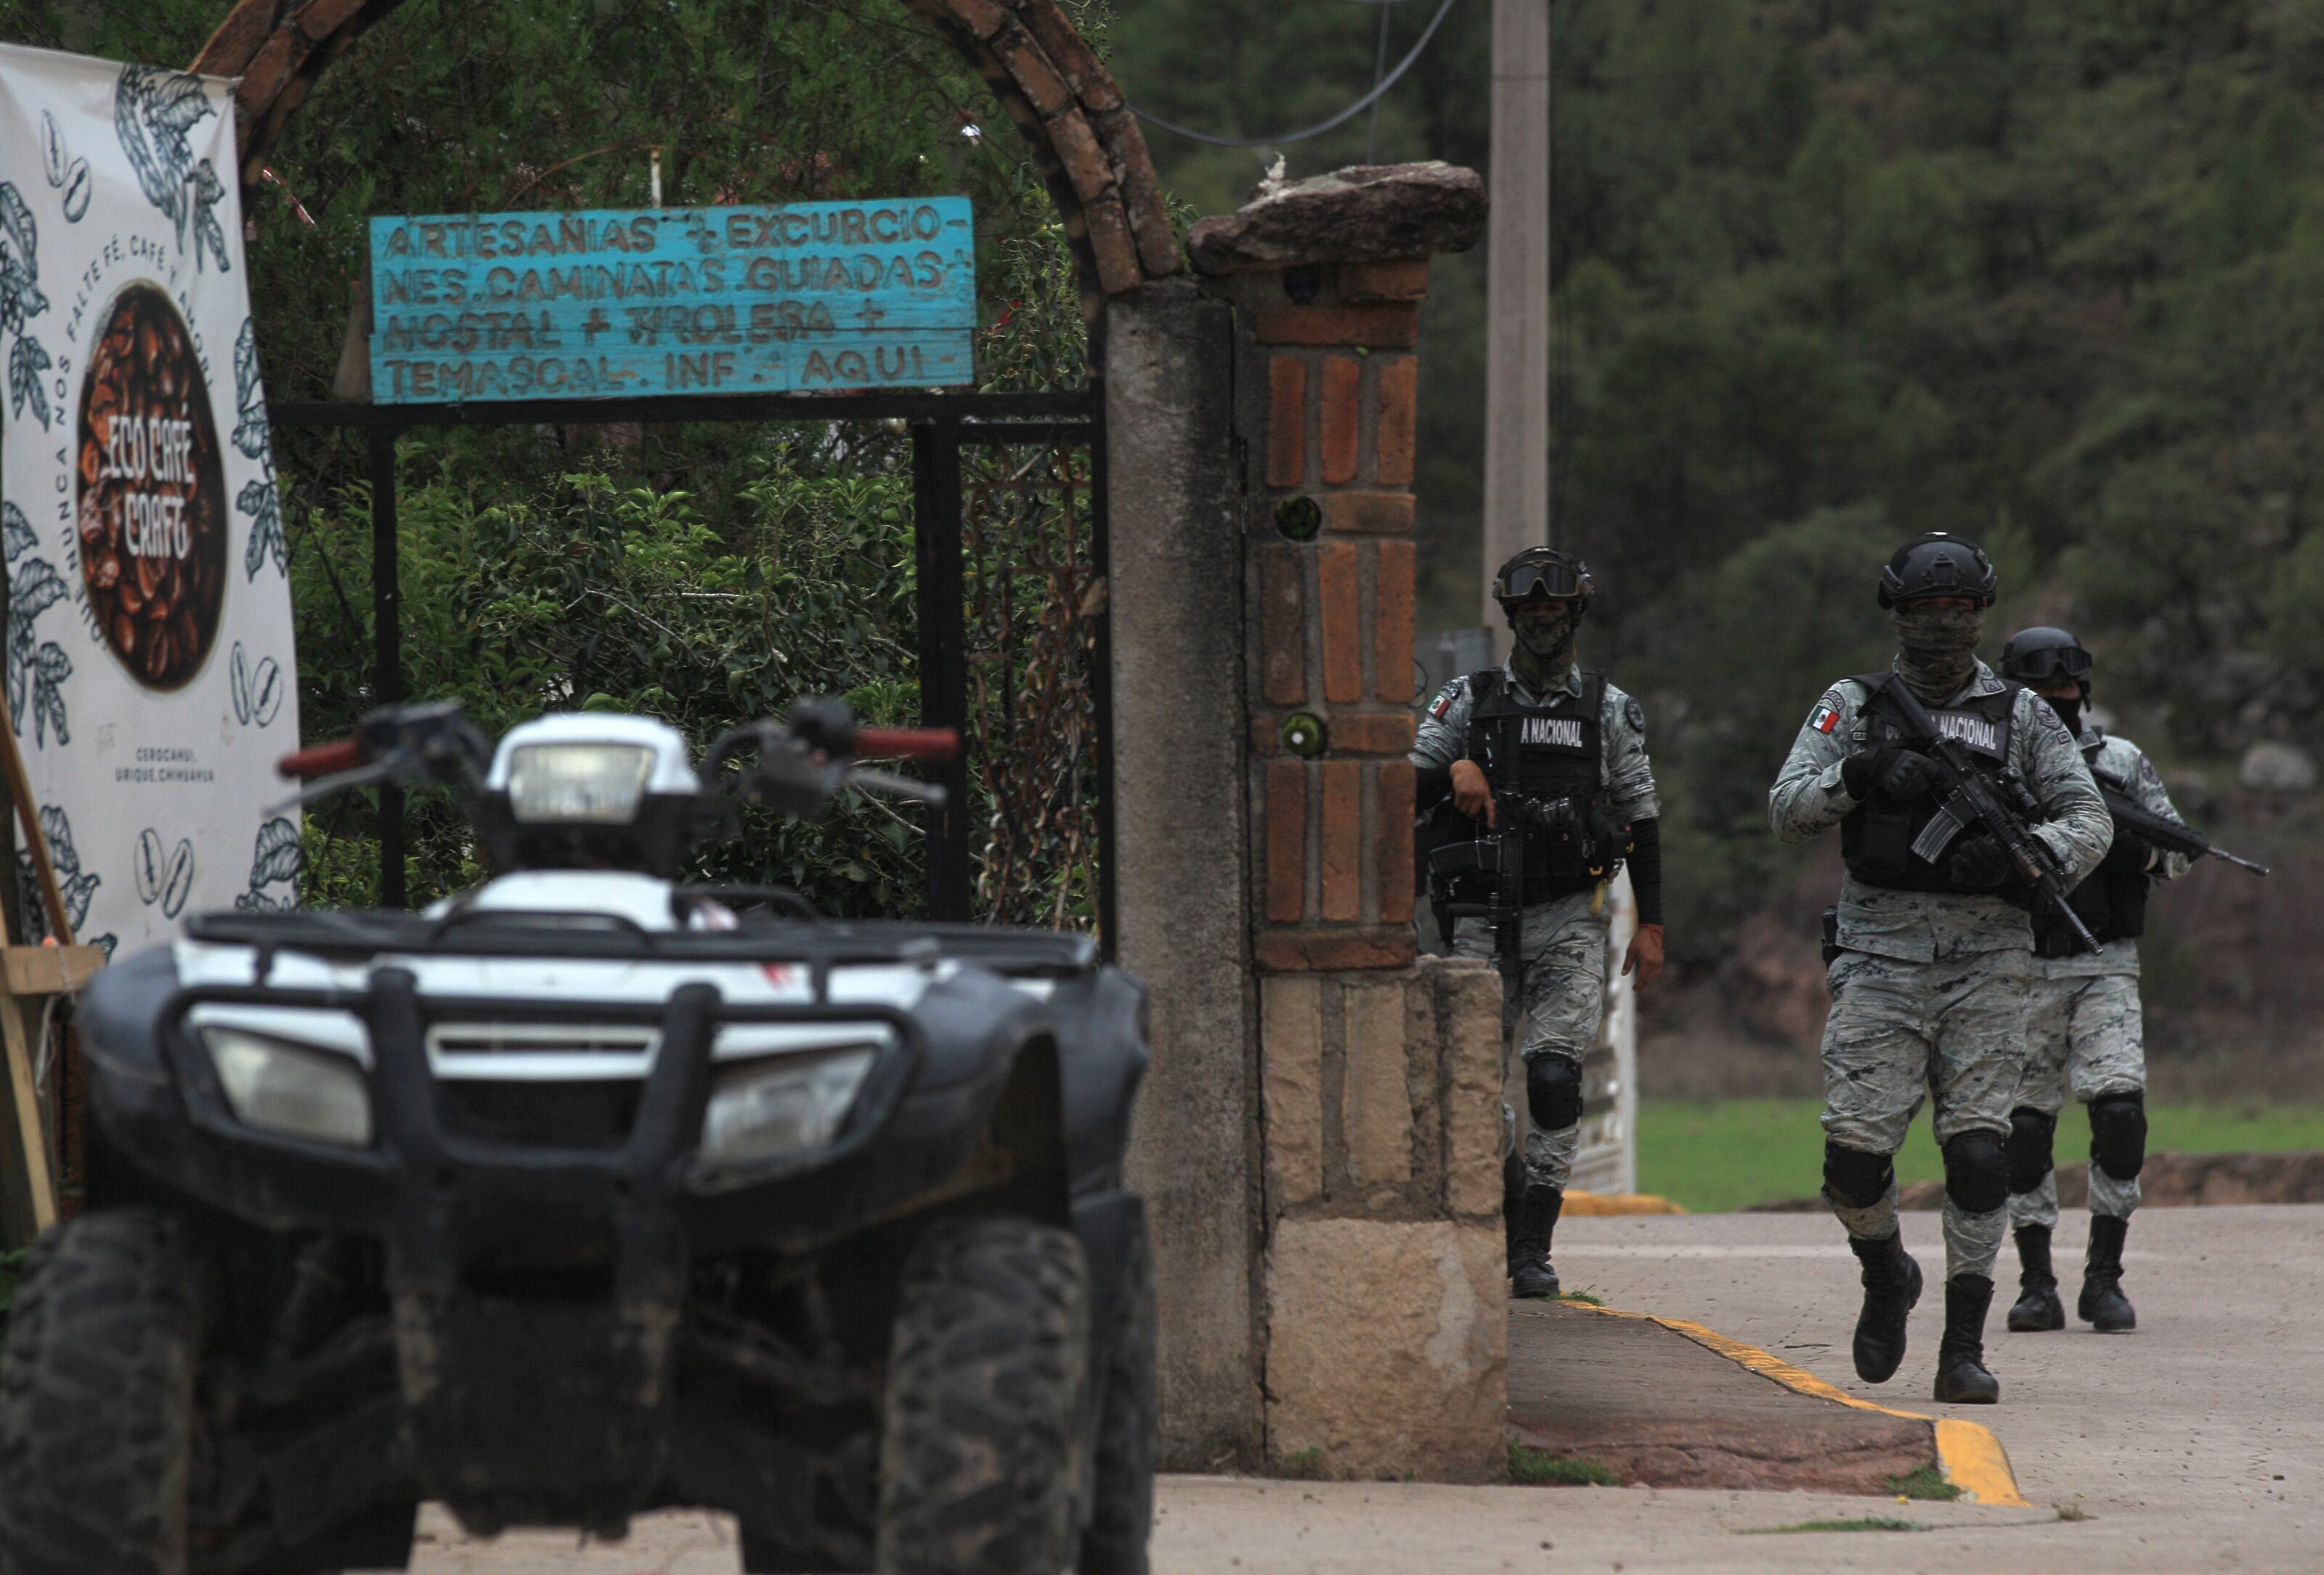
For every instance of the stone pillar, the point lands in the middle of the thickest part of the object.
(1175, 596)
(1384, 1338)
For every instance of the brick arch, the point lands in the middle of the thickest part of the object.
(1085, 137)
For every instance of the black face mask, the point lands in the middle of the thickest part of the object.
(2069, 711)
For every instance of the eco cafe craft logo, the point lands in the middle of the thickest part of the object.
(151, 511)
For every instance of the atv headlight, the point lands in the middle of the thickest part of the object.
(594, 784)
(770, 1109)
(283, 1087)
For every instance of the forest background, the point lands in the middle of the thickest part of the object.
(1824, 272)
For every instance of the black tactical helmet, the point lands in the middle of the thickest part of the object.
(1938, 565)
(2037, 656)
(1544, 571)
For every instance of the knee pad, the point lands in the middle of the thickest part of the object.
(1854, 1178)
(1977, 1171)
(2032, 1138)
(1552, 1092)
(2119, 1134)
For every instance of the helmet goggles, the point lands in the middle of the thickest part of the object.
(2070, 661)
(1537, 579)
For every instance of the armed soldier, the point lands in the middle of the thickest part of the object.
(2083, 1025)
(1960, 799)
(1537, 774)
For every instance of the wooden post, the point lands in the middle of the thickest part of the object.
(26, 976)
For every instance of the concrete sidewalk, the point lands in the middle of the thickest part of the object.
(2196, 1444)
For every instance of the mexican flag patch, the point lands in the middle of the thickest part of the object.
(1826, 718)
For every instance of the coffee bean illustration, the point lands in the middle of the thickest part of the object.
(152, 874)
(180, 883)
(78, 183)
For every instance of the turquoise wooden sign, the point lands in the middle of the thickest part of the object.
(804, 298)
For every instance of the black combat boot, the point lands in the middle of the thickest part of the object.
(1530, 1276)
(1961, 1377)
(1891, 1283)
(2103, 1306)
(2037, 1308)
(1513, 1184)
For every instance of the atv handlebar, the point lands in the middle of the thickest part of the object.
(910, 743)
(321, 760)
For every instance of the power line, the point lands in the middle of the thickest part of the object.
(1345, 116)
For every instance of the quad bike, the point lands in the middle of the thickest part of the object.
(590, 1192)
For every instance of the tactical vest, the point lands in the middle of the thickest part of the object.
(1876, 837)
(2111, 899)
(1555, 749)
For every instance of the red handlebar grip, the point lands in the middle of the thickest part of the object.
(911, 744)
(321, 760)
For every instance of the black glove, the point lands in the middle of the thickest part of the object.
(1981, 863)
(1900, 775)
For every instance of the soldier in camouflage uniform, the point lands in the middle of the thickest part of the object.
(1929, 961)
(2083, 1027)
(1541, 738)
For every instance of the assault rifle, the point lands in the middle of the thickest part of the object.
(2167, 834)
(1972, 800)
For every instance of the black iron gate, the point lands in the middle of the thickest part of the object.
(1009, 523)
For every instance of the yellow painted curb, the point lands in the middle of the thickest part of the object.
(1970, 1455)
(1580, 1205)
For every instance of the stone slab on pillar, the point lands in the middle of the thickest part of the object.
(1174, 599)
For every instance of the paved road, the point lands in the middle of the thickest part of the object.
(2196, 1444)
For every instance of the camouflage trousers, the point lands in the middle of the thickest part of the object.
(2085, 1034)
(1952, 1032)
(1563, 945)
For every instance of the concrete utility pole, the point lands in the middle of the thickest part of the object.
(1516, 330)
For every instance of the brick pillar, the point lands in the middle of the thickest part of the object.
(1329, 366)
(1383, 1335)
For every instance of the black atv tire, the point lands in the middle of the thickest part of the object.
(987, 1372)
(1121, 1517)
(97, 1401)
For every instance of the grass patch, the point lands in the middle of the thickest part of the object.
(1925, 1482)
(1713, 1155)
(1588, 1296)
(1870, 1523)
(1304, 1465)
(1530, 1467)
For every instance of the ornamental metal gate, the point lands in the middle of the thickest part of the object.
(1014, 645)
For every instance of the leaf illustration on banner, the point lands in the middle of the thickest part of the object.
(262, 500)
(20, 297)
(51, 668)
(15, 532)
(251, 432)
(76, 888)
(154, 110)
(26, 361)
(209, 233)
(35, 672)
(263, 504)
(280, 857)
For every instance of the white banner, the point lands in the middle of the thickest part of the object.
(150, 679)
